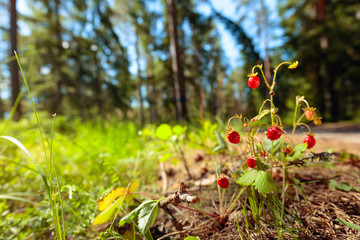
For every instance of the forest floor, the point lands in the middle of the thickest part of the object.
(317, 208)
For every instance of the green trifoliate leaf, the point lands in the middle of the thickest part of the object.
(247, 178)
(260, 165)
(263, 183)
(259, 179)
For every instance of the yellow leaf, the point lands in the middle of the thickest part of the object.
(134, 186)
(108, 213)
(104, 202)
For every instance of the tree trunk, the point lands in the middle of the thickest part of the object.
(61, 76)
(266, 39)
(178, 74)
(14, 70)
(320, 78)
(219, 90)
(139, 83)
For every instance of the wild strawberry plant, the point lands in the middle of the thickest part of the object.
(263, 153)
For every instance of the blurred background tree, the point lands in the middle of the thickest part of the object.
(156, 60)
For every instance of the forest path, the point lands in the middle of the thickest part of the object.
(339, 137)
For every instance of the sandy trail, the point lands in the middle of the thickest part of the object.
(338, 137)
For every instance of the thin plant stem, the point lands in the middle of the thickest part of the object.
(56, 172)
(33, 106)
(49, 188)
(207, 215)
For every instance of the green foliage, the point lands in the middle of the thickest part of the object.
(259, 179)
(204, 137)
(143, 217)
(221, 143)
(343, 186)
(317, 38)
(170, 141)
(191, 238)
(92, 157)
(163, 132)
(298, 152)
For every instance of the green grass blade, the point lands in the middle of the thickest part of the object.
(34, 109)
(238, 228)
(10, 197)
(346, 223)
(56, 173)
(24, 149)
(49, 189)
(20, 164)
(243, 210)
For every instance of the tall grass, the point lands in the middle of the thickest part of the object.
(76, 162)
(52, 190)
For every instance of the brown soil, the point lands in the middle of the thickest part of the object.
(312, 215)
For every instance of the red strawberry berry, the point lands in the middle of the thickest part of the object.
(251, 162)
(254, 82)
(233, 137)
(274, 133)
(223, 182)
(310, 140)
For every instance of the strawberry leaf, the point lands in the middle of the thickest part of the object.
(260, 165)
(247, 178)
(276, 145)
(298, 151)
(260, 179)
(143, 216)
(263, 183)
